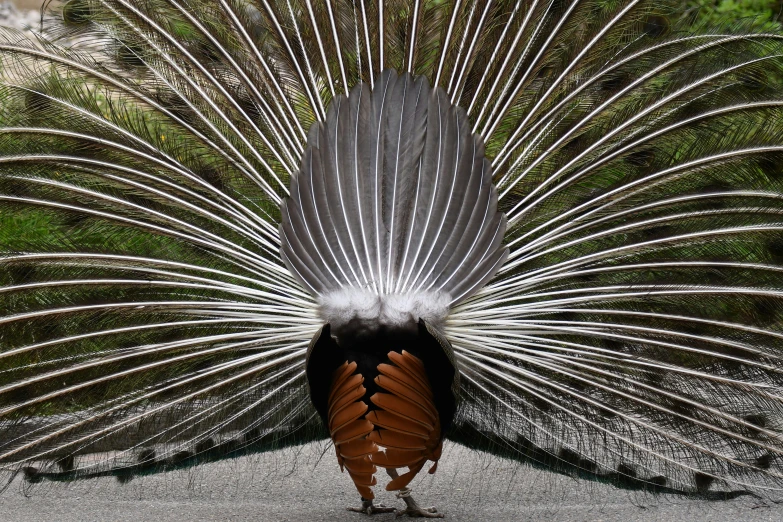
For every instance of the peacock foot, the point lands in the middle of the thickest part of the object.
(420, 512)
(413, 509)
(368, 508)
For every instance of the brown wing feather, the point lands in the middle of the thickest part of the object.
(411, 428)
(402, 431)
(349, 430)
(390, 421)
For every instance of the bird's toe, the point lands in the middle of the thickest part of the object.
(418, 512)
(368, 508)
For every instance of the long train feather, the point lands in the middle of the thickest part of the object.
(582, 199)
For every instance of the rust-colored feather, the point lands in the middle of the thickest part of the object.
(402, 431)
(391, 421)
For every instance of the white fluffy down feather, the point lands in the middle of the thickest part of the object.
(354, 305)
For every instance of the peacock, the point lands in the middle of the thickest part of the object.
(547, 229)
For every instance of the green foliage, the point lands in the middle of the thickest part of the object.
(713, 12)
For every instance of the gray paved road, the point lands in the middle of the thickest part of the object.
(293, 485)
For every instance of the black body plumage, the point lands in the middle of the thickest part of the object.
(369, 349)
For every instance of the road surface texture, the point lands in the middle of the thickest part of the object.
(296, 485)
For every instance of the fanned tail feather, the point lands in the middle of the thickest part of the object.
(183, 188)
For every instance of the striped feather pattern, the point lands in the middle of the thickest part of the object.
(394, 196)
(401, 430)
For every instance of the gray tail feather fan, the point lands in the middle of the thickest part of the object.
(394, 195)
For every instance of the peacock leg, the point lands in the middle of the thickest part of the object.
(412, 509)
(368, 508)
